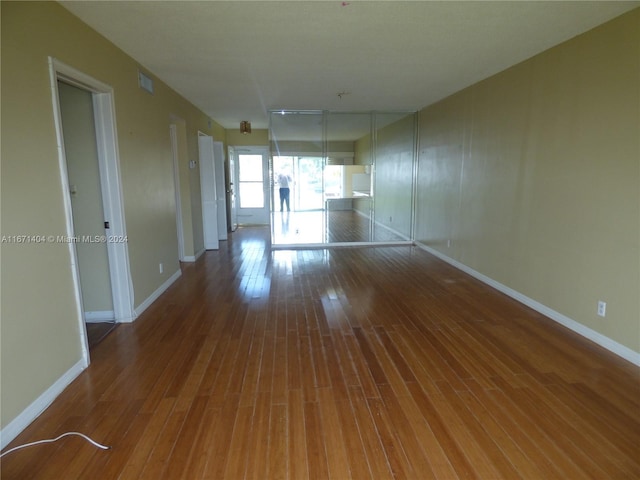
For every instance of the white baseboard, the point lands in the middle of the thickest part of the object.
(193, 258)
(154, 296)
(596, 337)
(99, 316)
(39, 405)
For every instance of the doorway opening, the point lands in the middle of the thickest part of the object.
(89, 172)
(83, 175)
(251, 172)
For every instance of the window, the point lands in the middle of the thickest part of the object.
(251, 186)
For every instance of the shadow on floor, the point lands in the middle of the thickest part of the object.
(96, 332)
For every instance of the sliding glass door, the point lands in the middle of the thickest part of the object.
(306, 182)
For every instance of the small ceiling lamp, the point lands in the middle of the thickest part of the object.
(245, 127)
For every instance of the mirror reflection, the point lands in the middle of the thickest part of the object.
(338, 177)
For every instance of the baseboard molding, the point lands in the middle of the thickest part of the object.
(596, 337)
(154, 296)
(99, 316)
(193, 258)
(39, 405)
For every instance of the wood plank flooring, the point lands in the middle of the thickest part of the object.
(350, 363)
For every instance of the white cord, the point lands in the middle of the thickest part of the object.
(51, 440)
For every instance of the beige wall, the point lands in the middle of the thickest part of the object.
(40, 326)
(533, 178)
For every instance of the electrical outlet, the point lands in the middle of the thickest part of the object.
(602, 308)
(161, 267)
(449, 243)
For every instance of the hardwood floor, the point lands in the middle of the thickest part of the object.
(360, 363)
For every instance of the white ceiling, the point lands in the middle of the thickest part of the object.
(236, 60)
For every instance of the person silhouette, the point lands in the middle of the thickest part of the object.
(284, 181)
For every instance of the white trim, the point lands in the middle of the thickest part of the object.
(193, 258)
(39, 405)
(54, 69)
(99, 316)
(154, 296)
(110, 182)
(173, 134)
(596, 337)
(119, 268)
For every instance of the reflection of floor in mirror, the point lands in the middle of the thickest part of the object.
(297, 227)
(326, 227)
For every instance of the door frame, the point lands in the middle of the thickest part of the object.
(173, 133)
(264, 213)
(111, 189)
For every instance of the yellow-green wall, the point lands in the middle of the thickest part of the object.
(532, 178)
(40, 338)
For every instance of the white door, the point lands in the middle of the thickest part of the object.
(231, 193)
(208, 192)
(252, 173)
(218, 155)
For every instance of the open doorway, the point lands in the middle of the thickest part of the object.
(83, 175)
(251, 173)
(95, 175)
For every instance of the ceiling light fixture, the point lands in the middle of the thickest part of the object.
(245, 127)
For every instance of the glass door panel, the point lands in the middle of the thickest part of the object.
(250, 181)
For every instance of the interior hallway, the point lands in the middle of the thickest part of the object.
(379, 362)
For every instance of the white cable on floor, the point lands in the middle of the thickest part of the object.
(51, 440)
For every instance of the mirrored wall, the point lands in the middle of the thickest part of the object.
(341, 178)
